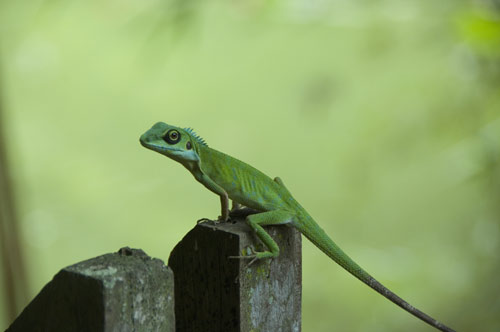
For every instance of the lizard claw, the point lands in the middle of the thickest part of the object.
(213, 222)
(223, 218)
(253, 257)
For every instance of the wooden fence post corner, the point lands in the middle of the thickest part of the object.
(123, 291)
(216, 293)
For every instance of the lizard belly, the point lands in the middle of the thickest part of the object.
(262, 198)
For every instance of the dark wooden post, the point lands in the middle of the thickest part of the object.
(216, 293)
(124, 291)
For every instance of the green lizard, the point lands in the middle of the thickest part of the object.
(233, 179)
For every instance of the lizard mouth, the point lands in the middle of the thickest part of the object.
(166, 149)
(159, 148)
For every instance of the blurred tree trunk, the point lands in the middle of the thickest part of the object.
(14, 276)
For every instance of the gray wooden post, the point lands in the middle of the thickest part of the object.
(216, 293)
(124, 291)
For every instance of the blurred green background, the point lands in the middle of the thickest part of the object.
(382, 117)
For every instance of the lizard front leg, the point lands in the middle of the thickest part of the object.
(224, 206)
(215, 188)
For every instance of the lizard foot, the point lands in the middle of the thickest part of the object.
(210, 221)
(223, 219)
(256, 255)
(253, 258)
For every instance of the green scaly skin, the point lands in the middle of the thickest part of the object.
(233, 179)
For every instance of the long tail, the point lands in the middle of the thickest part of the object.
(316, 235)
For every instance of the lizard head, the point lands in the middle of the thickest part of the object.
(174, 142)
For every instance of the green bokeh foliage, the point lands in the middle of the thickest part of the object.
(381, 117)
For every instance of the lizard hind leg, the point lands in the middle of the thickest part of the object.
(280, 182)
(256, 221)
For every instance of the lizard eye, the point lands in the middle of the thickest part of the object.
(172, 136)
(188, 145)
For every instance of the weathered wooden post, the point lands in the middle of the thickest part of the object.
(129, 291)
(124, 291)
(214, 292)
